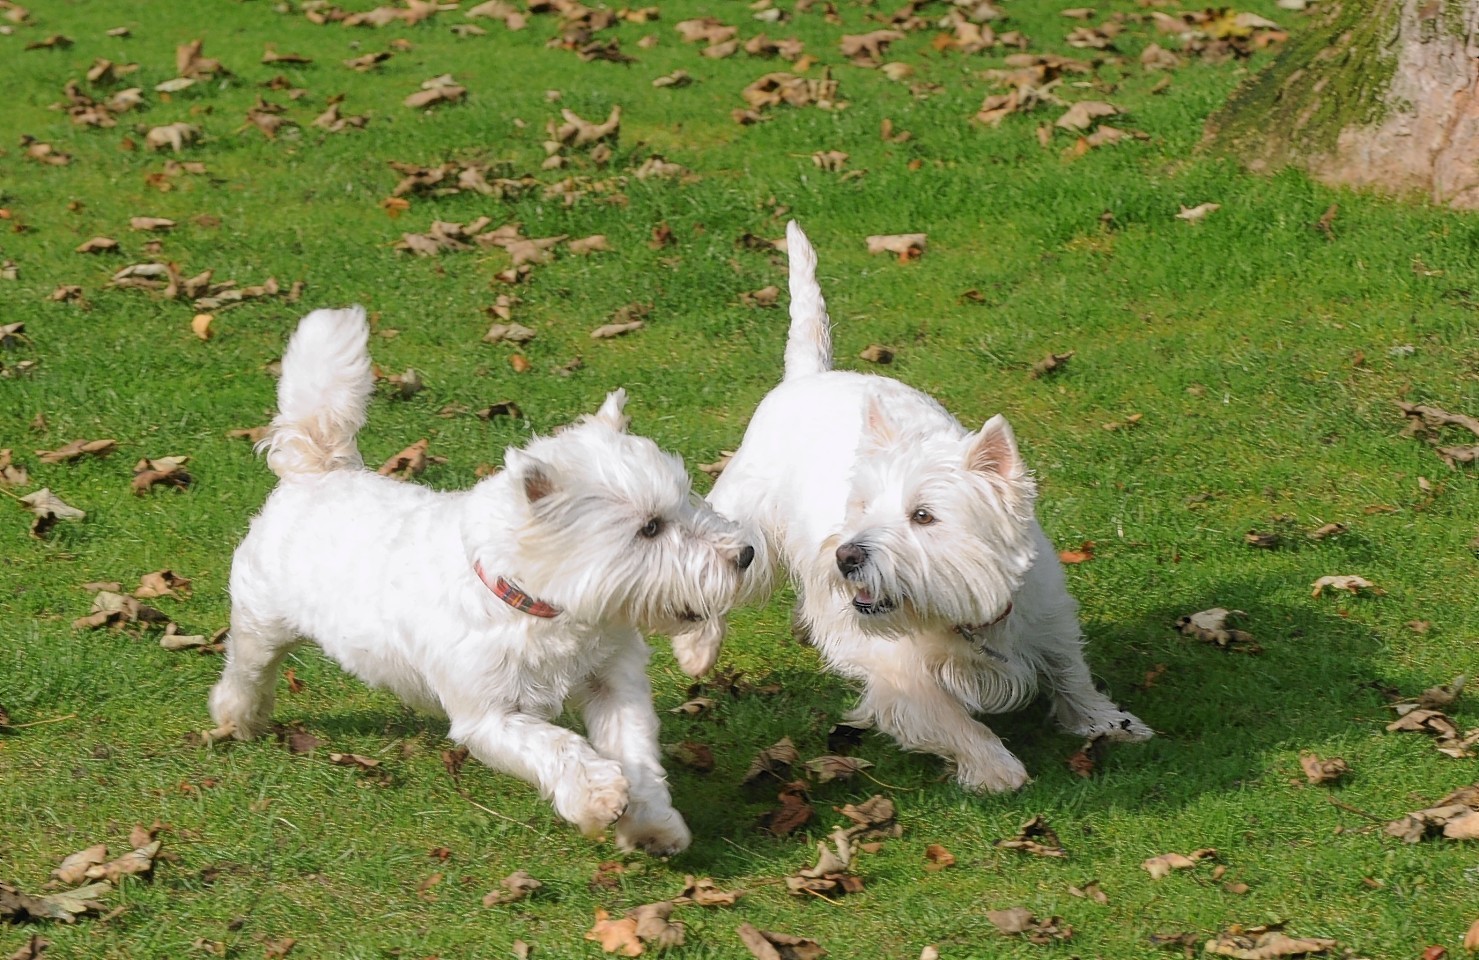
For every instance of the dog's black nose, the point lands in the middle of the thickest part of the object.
(850, 556)
(746, 557)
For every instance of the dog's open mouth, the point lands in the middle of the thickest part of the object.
(868, 605)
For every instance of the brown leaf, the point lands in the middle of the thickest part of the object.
(592, 244)
(764, 297)
(874, 817)
(1081, 115)
(1265, 943)
(278, 948)
(452, 760)
(577, 132)
(607, 331)
(1323, 771)
(1052, 363)
(832, 767)
(1162, 865)
(774, 761)
(76, 450)
(1197, 213)
(137, 862)
(73, 869)
(516, 886)
(1085, 761)
(701, 891)
(867, 49)
(151, 223)
(97, 245)
(937, 858)
(297, 740)
(200, 325)
(410, 462)
(1035, 837)
(908, 246)
(368, 62)
(1019, 920)
(691, 754)
(1327, 531)
(877, 353)
(1083, 554)
(1090, 891)
(176, 136)
(1351, 583)
(353, 760)
(162, 583)
(1471, 938)
(504, 408)
(166, 471)
(767, 945)
(12, 475)
(1210, 626)
(717, 467)
(48, 509)
(794, 812)
(442, 89)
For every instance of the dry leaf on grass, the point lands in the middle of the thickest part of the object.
(410, 462)
(701, 891)
(832, 767)
(830, 876)
(1197, 213)
(691, 754)
(908, 246)
(717, 467)
(73, 869)
(768, 945)
(48, 509)
(877, 353)
(442, 89)
(1035, 837)
(577, 132)
(1083, 554)
(368, 62)
(151, 223)
(65, 906)
(867, 49)
(775, 762)
(1317, 770)
(1085, 761)
(646, 926)
(1081, 115)
(592, 244)
(609, 330)
(1019, 920)
(695, 706)
(508, 333)
(1161, 866)
(516, 886)
(1265, 943)
(1350, 583)
(12, 475)
(97, 245)
(873, 818)
(1090, 891)
(794, 811)
(1052, 363)
(937, 858)
(162, 583)
(76, 450)
(162, 471)
(1210, 626)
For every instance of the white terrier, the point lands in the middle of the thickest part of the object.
(492, 606)
(920, 569)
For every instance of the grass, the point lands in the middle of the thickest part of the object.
(1264, 356)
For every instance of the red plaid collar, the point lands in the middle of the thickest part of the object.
(515, 597)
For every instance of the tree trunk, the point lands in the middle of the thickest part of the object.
(1380, 93)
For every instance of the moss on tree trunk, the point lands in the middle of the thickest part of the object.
(1381, 94)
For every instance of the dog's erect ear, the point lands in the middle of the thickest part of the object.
(535, 477)
(993, 450)
(878, 430)
(611, 411)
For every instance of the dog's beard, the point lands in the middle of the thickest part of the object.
(969, 582)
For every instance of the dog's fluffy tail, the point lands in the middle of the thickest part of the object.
(321, 399)
(809, 344)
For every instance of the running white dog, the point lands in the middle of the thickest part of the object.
(492, 606)
(921, 570)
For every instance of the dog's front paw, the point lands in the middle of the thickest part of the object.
(1120, 726)
(598, 800)
(697, 648)
(991, 771)
(658, 833)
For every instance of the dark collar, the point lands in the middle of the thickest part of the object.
(515, 597)
(971, 630)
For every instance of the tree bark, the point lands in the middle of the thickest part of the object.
(1381, 94)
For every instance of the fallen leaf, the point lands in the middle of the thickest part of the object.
(137, 862)
(516, 886)
(12, 475)
(691, 754)
(592, 244)
(200, 325)
(1035, 837)
(830, 876)
(1327, 531)
(165, 471)
(676, 79)
(695, 706)
(937, 858)
(298, 740)
(1197, 213)
(876, 353)
(607, 331)
(768, 945)
(775, 761)
(1210, 626)
(1162, 865)
(73, 869)
(97, 245)
(1083, 554)
(1090, 891)
(162, 583)
(410, 462)
(1085, 761)
(795, 811)
(1052, 363)
(874, 817)
(717, 467)
(704, 893)
(353, 760)
(867, 49)
(76, 450)
(1264, 943)
(1323, 771)
(832, 767)
(908, 246)
(64, 906)
(1471, 939)
(1081, 115)
(1353, 584)
(1019, 920)
(48, 509)
(442, 89)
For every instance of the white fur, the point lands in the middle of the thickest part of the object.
(834, 459)
(381, 574)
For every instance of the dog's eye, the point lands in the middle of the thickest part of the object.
(922, 517)
(651, 529)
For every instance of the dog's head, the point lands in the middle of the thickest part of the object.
(938, 527)
(607, 529)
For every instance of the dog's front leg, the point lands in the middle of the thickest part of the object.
(618, 713)
(916, 712)
(586, 788)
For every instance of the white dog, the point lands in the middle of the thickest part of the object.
(920, 568)
(493, 606)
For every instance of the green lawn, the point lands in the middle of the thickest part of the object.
(1263, 354)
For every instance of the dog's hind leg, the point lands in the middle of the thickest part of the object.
(618, 713)
(586, 789)
(242, 699)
